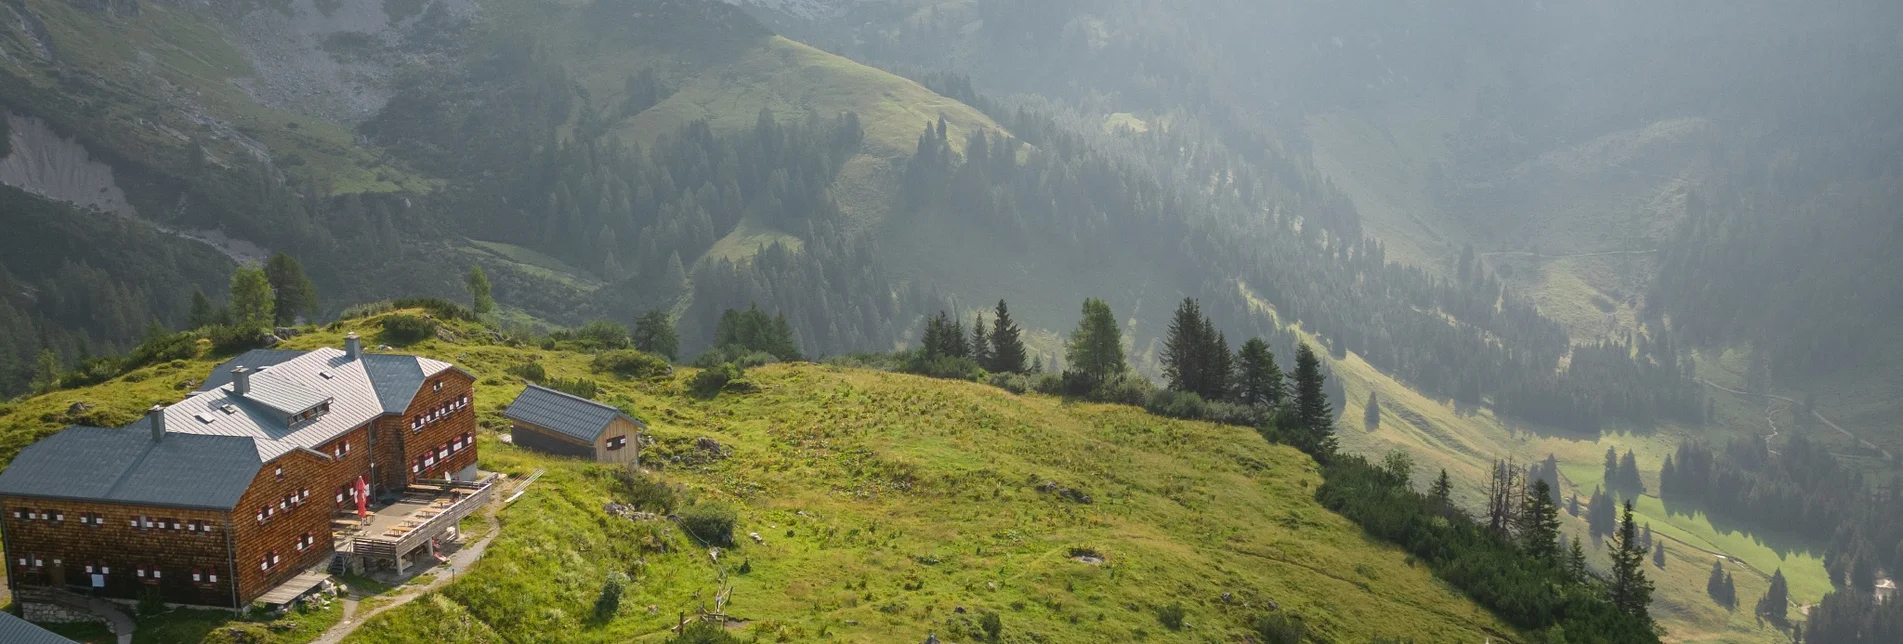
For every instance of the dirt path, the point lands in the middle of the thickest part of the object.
(1813, 413)
(460, 560)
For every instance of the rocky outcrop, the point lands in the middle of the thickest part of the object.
(336, 61)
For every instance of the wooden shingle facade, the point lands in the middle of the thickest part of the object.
(227, 494)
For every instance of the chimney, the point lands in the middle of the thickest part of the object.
(353, 346)
(157, 416)
(240, 381)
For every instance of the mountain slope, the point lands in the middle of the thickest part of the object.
(893, 506)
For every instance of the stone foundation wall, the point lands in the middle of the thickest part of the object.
(55, 614)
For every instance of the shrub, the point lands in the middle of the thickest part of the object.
(1171, 616)
(440, 308)
(609, 601)
(704, 633)
(1016, 383)
(735, 354)
(1049, 384)
(647, 493)
(1126, 388)
(150, 602)
(361, 311)
(992, 625)
(630, 363)
(162, 347)
(532, 372)
(894, 361)
(1279, 628)
(579, 387)
(1177, 404)
(1241, 415)
(229, 339)
(711, 523)
(403, 329)
(600, 335)
(710, 381)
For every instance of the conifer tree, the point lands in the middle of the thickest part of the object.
(980, 341)
(1539, 524)
(1371, 414)
(1775, 604)
(1572, 504)
(1611, 475)
(1658, 554)
(1629, 482)
(654, 333)
(1576, 562)
(46, 371)
(1715, 584)
(480, 299)
(1258, 380)
(1184, 348)
(202, 313)
(1007, 348)
(294, 292)
(1629, 590)
(1442, 492)
(1095, 351)
(1311, 419)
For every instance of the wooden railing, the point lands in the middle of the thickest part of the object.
(477, 494)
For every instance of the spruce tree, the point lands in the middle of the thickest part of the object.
(1442, 493)
(295, 294)
(1731, 592)
(1572, 504)
(1539, 524)
(1258, 380)
(202, 314)
(654, 333)
(1629, 482)
(1576, 563)
(1095, 351)
(1371, 414)
(480, 299)
(1775, 604)
(1184, 348)
(1658, 554)
(1715, 584)
(1629, 590)
(1311, 419)
(1611, 475)
(980, 342)
(1007, 348)
(1219, 365)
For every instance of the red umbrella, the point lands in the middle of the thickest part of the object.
(363, 498)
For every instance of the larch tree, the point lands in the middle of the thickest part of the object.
(1095, 351)
(480, 299)
(252, 301)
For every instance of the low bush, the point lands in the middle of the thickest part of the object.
(710, 523)
(1171, 616)
(443, 309)
(646, 493)
(947, 367)
(1279, 628)
(532, 372)
(704, 633)
(737, 355)
(1177, 404)
(609, 601)
(228, 339)
(710, 381)
(1127, 388)
(403, 329)
(599, 335)
(1016, 383)
(360, 311)
(579, 387)
(629, 363)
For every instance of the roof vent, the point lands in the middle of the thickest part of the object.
(204, 418)
(228, 408)
(326, 375)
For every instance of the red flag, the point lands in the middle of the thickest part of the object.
(363, 498)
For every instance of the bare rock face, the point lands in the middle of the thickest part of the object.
(58, 168)
(335, 59)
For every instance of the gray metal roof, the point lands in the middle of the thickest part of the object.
(253, 359)
(14, 630)
(358, 390)
(127, 466)
(578, 418)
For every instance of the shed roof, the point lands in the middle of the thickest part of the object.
(127, 466)
(14, 630)
(572, 416)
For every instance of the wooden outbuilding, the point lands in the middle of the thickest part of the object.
(557, 423)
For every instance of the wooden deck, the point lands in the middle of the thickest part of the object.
(298, 586)
(425, 513)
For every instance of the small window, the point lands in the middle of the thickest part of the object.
(211, 577)
(438, 386)
(197, 577)
(617, 442)
(59, 515)
(203, 418)
(325, 375)
(280, 472)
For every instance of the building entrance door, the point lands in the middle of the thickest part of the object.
(58, 574)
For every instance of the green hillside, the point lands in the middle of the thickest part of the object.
(892, 506)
